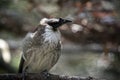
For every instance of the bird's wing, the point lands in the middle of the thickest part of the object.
(26, 59)
(27, 47)
(32, 38)
(26, 51)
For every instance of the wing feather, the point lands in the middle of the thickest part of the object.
(27, 46)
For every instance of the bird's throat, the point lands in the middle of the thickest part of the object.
(51, 35)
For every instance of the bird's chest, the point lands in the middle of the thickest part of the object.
(47, 52)
(51, 41)
(46, 57)
(51, 37)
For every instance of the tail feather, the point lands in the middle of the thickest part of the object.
(21, 65)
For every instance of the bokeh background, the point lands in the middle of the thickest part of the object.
(90, 45)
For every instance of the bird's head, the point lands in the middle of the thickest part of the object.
(54, 23)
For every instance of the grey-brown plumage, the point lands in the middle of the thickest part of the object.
(41, 48)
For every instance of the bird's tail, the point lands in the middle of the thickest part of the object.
(21, 65)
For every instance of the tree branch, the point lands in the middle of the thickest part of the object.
(36, 76)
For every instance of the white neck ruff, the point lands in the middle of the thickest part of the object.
(51, 36)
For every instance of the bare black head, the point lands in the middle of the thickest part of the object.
(55, 23)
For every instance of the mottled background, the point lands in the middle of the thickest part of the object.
(90, 45)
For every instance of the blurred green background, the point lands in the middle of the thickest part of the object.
(90, 45)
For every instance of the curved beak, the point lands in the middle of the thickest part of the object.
(64, 20)
(67, 21)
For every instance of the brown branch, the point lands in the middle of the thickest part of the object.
(35, 76)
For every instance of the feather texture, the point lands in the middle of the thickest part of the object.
(41, 50)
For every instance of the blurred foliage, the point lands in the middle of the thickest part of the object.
(5, 3)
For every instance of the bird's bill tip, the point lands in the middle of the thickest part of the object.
(67, 21)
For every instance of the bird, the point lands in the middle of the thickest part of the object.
(41, 48)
